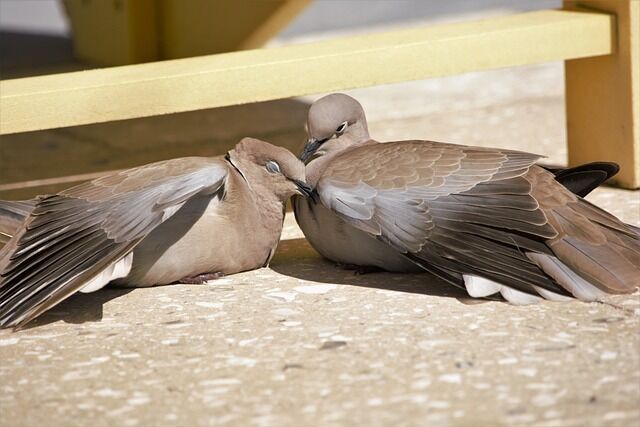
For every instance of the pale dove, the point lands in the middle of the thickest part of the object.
(186, 219)
(487, 220)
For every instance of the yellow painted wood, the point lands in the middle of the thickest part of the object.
(114, 32)
(202, 27)
(603, 97)
(120, 32)
(258, 75)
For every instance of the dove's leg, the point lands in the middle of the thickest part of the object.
(201, 278)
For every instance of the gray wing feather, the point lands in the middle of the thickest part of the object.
(460, 211)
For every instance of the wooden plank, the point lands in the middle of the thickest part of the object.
(603, 97)
(259, 75)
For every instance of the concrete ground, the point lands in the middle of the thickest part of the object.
(304, 343)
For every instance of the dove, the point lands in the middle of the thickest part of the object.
(487, 220)
(183, 220)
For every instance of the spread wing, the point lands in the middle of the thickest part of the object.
(72, 237)
(456, 211)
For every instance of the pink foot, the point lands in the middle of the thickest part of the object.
(201, 278)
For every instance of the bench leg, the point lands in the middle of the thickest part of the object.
(603, 99)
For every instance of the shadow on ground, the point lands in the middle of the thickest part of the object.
(296, 258)
(79, 308)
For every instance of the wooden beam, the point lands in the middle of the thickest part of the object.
(603, 97)
(258, 75)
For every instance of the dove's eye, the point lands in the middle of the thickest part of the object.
(272, 166)
(341, 128)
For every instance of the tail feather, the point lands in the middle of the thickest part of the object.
(480, 287)
(566, 277)
(627, 246)
(551, 296)
(601, 265)
(583, 179)
(608, 257)
(605, 219)
(516, 297)
(590, 242)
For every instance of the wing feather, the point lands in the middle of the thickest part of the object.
(453, 210)
(72, 236)
(462, 211)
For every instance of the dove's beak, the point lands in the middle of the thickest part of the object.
(310, 148)
(303, 188)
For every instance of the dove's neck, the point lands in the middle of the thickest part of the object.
(268, 204)
(262, 210)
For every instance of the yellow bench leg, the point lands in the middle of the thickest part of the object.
(119, 32)
(602, 96)
(114, 32)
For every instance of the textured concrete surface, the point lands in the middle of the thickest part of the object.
(304, 343)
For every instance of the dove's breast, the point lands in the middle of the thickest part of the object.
(336, 240)
(206, 235)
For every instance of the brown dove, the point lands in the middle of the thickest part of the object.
(487, 220)
(181, 220)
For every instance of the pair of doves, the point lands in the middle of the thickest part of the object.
(488, 220)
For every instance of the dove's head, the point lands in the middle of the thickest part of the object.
(274, 168)
(335, 122)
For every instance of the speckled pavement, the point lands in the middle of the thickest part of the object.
(305, 343)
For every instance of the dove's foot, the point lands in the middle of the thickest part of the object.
(201, 278)
(360, 269)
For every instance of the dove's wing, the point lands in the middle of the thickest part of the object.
(77, 235)
(459, 212)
